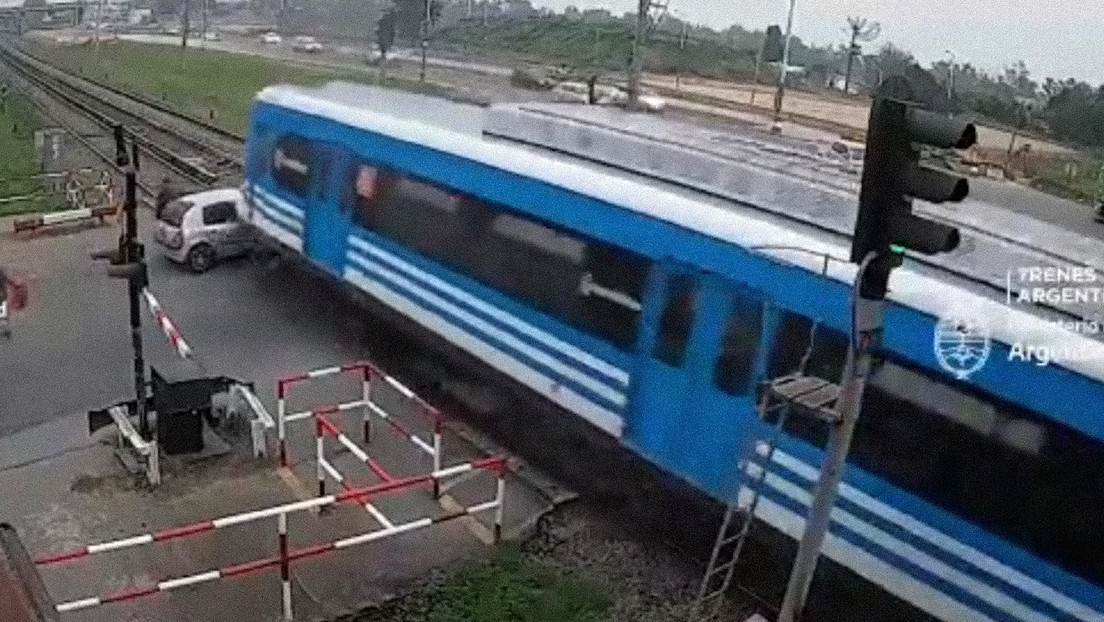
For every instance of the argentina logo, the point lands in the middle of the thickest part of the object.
(962, 344)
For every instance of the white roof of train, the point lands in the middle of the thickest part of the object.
(456, 128)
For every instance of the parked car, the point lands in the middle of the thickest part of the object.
(307, 44)
(271, 38)
(200, 229)
(212, 36)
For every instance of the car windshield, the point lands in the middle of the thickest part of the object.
(174, 212)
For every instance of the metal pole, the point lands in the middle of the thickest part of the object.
(186, 25)
(758, 64)
(133, 253)
(203, 26)
(682, 57)
(425, 40)
(99, 20)
(868, 323)
(785, 68)
(635, 53)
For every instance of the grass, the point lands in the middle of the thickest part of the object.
(506, 588)
(18, 122)
(203, 83)
(1078, 183)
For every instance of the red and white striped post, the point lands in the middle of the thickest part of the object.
(500, 497)
(319, 454)
(438, 426)
(285, 567)
(281, 421)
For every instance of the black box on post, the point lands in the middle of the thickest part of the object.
(181, 407)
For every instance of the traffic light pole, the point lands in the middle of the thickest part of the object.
(868, 316)
(132, 253)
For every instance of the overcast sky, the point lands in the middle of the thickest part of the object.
(1057, 38)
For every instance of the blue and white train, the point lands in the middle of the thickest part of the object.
(646, 281)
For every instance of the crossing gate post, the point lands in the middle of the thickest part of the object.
(285, 567)
(281, 422)
(438, 425)
(500, 496)
(365, 395)
(319, 456)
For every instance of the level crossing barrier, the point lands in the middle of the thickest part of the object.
(146, 451)
(285, 555)
(49, 219)
(368, 374)
(260, 420)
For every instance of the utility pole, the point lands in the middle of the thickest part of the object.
(950, 74)
(425, 39)
(636, 52)
(775, 127)
(884, 229)
(186, 25)
(203, 25)
(758, 64)
(682, 57)
(99, 21)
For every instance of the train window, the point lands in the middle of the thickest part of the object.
(791, 345)
(1030, 480)
(676, 322)
(736, 357)
(580, 281)
(291, 164)
(260, 142)
(325, 165)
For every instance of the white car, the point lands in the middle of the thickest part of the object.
(307, 44)
(271, 38)
(212, 36)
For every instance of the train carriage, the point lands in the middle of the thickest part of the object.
(652, 309)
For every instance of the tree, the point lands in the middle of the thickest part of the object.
(892, 60)
(861, 30)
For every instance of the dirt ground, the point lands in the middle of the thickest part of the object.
(825, 107)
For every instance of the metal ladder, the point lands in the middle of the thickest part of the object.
(814, 397)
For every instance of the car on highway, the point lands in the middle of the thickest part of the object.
(309, 45)
(271, 38)
(200, 229)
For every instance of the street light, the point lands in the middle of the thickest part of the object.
(775, 127)
(682, 49)
(951, 74)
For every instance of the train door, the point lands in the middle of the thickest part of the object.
(698, 361)
(327, 228)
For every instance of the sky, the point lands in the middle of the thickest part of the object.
(1056, 38)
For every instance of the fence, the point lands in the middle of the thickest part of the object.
(368, 374)
(285, 555)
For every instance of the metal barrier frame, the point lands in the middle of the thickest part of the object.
(146, 450)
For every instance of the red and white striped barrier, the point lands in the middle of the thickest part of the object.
(367, 372)
(285, 556)
(175, 339)
(56, 218)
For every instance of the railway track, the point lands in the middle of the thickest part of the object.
(197, 151)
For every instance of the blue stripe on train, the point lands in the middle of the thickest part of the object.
(372, 270)
(411, 271)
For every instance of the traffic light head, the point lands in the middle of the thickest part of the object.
(893, 176)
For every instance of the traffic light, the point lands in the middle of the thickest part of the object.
(893, 176)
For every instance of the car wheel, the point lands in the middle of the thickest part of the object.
(201, 258)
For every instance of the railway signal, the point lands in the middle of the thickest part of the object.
(893, 176)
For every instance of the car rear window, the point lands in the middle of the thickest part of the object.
(174, 212)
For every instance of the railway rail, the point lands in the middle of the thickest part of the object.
(195, 150)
